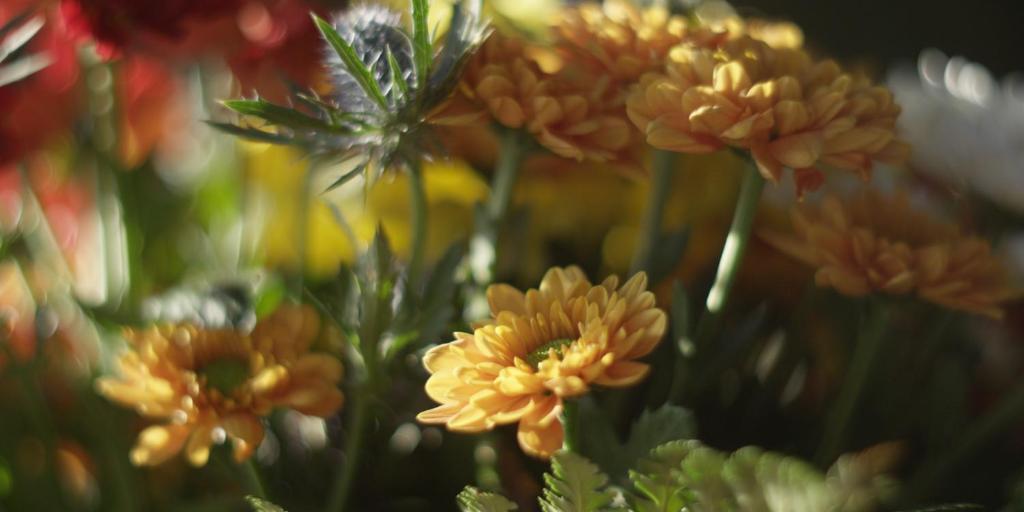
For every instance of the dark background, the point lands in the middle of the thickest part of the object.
(888, 32)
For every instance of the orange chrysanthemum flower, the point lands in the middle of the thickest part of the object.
(787, 109)
(213, 385)
(540, 348)
(573, 116)
(625, 41)
(878, 244)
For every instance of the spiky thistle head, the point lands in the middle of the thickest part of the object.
(378, 39)
(386, 78)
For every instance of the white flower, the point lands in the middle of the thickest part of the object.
(966, 128)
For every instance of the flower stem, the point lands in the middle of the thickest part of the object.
(483, 249)
(358, 422)
(251, 478)
(570, 425)
(418, 194)
(874, 320)
(728, 266)
(1007, 413)
(663, 163)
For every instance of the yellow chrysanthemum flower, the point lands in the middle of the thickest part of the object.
(208, 386)
(540, 348)
(878, 244)
(787, 109)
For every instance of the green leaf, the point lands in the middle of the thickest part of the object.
(252, 134)
(277, 114)
(688, 475)
(396, 76)
(862, 479)
(353, 63)
(17, 33)
(259, 505)
(346, 177)
(656, 479)
(472, 499)
(14, 36)
(23, 68)
(422, 50)
(652, 429)
(574, 485)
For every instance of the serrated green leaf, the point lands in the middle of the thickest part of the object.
(472, 499)
(260, 505)
(277, 114)
(657, 481)
(353, 64)
(422, 49)
(654, 428)
(688, 475)
(574, 485)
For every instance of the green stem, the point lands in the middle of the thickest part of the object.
(418, 194)
(251, 478)
(570, 425)
(1004, 416)
(870, 338)
(353, 447)
(483, 249)
(728, 267)
(732, 254)
(663, 163)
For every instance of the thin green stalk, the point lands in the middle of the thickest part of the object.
(870, 338)
(571, 425)
(1003, 417)
(418, 194)
(483, 250)
(353, 447)
(728, 267)
(732, 255)
(663, 163)
(251, 479)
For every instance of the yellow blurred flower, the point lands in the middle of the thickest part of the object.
(787, 109)
(278, 174)
(879, 244)
(539, 348)
(211, 385)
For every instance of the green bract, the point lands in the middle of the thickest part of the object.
(386, 81)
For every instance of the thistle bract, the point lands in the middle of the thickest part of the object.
(386, 81)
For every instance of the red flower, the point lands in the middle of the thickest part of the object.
(40, 106)
(280, 45)
(117, 25)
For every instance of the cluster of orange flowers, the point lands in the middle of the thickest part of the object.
(213, 385)
(687, 87)
(615, 75)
